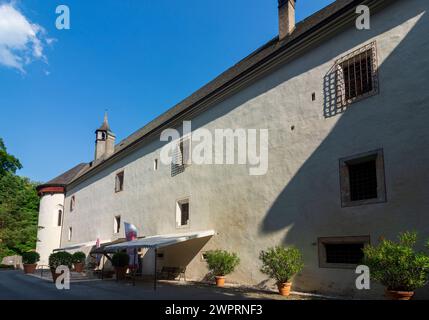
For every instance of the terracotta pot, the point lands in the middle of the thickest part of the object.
(30, 268)
(220, 281)
(121, 272)
(284, 288)
(78, 267)
(399, 295)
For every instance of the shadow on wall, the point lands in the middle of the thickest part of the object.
(309, 205)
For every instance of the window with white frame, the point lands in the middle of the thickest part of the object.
(119, 182)
(117, 224)
(182, 213)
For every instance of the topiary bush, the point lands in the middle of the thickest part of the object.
(60, 259)
(79, 257)
(397, 265)
(30, 257)
(281, 263)
(120, 259)
(221, 263)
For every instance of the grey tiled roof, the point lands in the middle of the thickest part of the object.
(66, 177)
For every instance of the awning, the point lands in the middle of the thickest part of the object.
(79, 245)
(160, 241)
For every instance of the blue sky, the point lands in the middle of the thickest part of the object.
(136, 58)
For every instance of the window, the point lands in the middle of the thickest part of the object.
(70, 233)
(362, 179)
(182, 213)
(341, 252)
(357, 76)
(119, 182)
(72, 203)
(60, 218)
(181, 156)
(117, 224)
(155, 164)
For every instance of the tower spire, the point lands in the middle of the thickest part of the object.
(105, 126)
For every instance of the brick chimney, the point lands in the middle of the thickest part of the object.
(286, 17)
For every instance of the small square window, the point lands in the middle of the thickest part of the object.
(362, 179)
(119, 182)
(182, 213)
(117, 224)
(341, 252)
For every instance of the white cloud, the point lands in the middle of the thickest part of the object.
(21, 41)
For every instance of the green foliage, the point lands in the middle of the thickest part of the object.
(19, 207)
(120, 259)
(397, 265)
(8, 163)
(281, 263)
(60, 259)
(79, 257)
(30, 257)
(3, 266)
(221, 263)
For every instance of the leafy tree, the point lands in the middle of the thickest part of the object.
(8, 163)
(19, 206)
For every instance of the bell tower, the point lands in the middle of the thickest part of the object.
(105, 140)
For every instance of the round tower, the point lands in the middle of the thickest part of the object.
(51, 214)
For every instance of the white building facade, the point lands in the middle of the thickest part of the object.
(346, 112)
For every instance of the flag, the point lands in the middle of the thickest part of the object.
(131, 235)
(130, 231)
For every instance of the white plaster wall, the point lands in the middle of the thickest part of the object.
(299, 198)
(49, 232)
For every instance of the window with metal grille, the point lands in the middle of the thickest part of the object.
(363, 180)
(181, 157)
(119, 182)
(348, 253)
(341, 252)
(357, 74)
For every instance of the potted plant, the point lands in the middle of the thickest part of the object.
(281, 264)
(79, 261)
(29, 260)
(120, 261)
(59, 259)
(221, 263)
(398, 266)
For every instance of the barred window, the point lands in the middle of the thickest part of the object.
(362, 179)
(341, 252)
(357, 75)
(181, 157)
